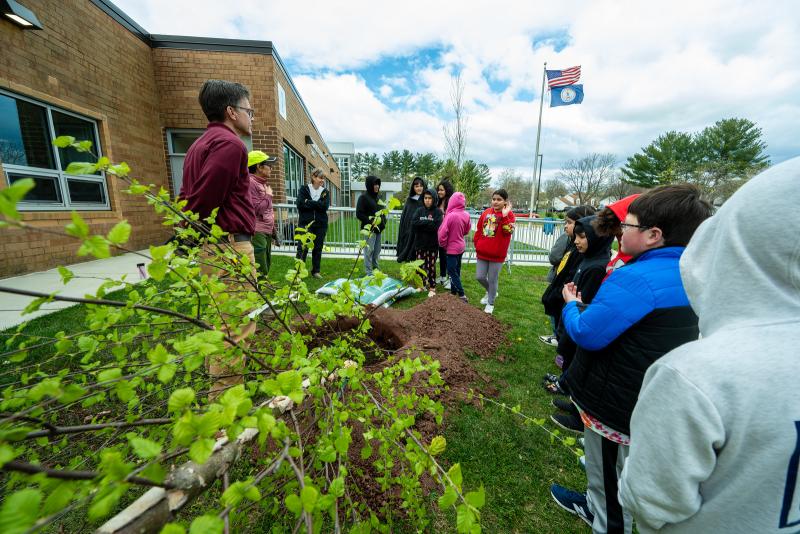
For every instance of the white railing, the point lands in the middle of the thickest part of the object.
(530, 244)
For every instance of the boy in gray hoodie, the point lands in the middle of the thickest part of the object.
(715, 435)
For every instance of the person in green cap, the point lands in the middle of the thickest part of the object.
(260, 167)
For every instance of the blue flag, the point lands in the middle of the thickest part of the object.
(567, 95)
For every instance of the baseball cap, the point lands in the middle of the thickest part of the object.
(256, 156)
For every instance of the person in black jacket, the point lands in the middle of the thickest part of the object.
(444, 191)
(405, 235)
(313, 201)
(369, 203)
(426, 222)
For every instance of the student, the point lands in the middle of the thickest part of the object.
(313, 202)
(405, 235)
(595, 251)
(425, 223)
(260, 167)
(491, 239)
(608, 223)
(454, 228)
(639, 314)
(565, 271)
(715, 435)
(444, 192)
(369, 203)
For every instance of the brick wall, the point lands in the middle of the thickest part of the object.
(83, 61)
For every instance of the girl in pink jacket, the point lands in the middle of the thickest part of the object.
(455, 226)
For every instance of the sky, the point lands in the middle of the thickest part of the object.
(379, 74)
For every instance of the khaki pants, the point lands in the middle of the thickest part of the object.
(224, 371)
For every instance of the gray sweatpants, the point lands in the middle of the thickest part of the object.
(487, 273)
(604, 462)
(372, 252)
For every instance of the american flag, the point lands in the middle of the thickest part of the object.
(560, 78)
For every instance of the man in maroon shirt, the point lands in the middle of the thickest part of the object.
(215, 176)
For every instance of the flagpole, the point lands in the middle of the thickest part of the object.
(534, 182)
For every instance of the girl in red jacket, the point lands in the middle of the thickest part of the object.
(491, 239)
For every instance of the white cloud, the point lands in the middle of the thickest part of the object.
(647, 68)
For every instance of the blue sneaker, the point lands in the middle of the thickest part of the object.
(573, 502)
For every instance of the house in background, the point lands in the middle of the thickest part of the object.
(93, 73)
(344, 153)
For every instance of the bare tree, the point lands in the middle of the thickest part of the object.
(618, 188)
(455, 133)
(552, 189)
(518, 188)
(587, 177)
(11, 153)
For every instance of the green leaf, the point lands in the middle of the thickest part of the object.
(157, 269)
(293, 504)
(476, 498)
(366, 451)
(95, 245)
(448, 498)
(437, 446)
(465, 519)
(83, 146)
(81, 167)
(7, 453)
(120, 233)
(455, 475)
(105, 501)
(78, 227)
(337, 487)
(120, 170)
(108, 375)
(201, 450)
(158, 355)
(20, 511)
(180, 399)
(58, 499)
(11, 195)
(207, 524)
(143, 447)
(63, 141)
(159, 253)
(167, 372)
(208, 424)
(66, 274)
(173, 528)
(309, 496)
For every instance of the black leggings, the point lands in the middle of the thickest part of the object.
(316, 253)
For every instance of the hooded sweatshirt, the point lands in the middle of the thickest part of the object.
(369, 204)
(592, 269)
(455, 226)
(405, 235)
(715, 443)
(493, 235)
(425, 223)
(620, 209)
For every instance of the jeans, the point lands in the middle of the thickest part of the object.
(316, 254)
(372, 253)
(487, 273)
(442, 262)
(454, 272)
(262, 250)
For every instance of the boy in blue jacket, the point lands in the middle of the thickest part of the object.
(640, 313)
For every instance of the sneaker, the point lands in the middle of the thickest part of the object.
(316, 275)
(431, 293)
(485, 299)
(582, 462)
(441, 280)
(568, 422)
(573, 502)
(549, 340)
(563, 404)
(488, 309)
(581, 442)
(446, 284)
(464, 298)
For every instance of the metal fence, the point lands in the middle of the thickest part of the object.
(530, 243)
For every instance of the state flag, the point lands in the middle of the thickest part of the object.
(565, 96)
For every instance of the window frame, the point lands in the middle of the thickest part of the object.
(60, 175)
(298, 165)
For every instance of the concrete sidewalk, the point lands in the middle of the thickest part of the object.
(88, 277)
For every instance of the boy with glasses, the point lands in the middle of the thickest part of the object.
(640, 313)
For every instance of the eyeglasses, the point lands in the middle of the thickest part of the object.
(250, 112)
(625, 226)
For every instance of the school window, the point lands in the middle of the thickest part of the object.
(293, 166)
(178, 143)
(281, 100)
(27, 129)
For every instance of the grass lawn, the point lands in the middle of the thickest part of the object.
(516, 463)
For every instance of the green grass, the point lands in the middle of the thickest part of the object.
(516, 463)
